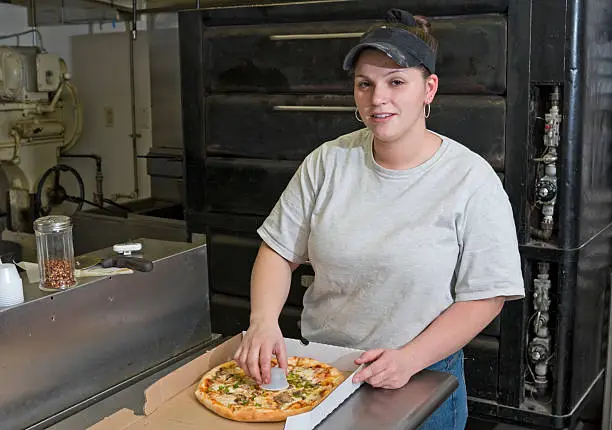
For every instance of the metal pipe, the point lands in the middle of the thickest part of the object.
(569, 203)
(134, 19)
(32, 16)
(569, 160)
(23, 33)
(99, 194)
(51, 107)
(134, 136)
(78, 117)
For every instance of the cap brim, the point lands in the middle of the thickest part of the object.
(401, 58)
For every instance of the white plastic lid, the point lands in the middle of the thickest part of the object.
(127, 248)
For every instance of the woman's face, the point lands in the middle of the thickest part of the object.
(391, 99)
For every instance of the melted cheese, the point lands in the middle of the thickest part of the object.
(264, 401)
(305, 373)
(225, 399)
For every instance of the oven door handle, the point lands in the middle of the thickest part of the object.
(316, 36)
(286, 108)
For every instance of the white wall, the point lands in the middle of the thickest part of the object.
(90, 64)
(13, 19)
(101, 72)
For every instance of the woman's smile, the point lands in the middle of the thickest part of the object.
(382, 117)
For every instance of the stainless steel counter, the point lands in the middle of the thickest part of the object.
(59, 349)
(403, 409)
(155, 250)
(366, 409)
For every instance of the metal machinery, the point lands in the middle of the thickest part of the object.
(524, 83)
(40, 118)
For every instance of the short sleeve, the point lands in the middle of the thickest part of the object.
(489, 261)
(287, 227)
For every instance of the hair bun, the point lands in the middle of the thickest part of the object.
(423, 23)
(401, 17)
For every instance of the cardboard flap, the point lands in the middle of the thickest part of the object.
(170, 385)
(120, 420)
(299, 422)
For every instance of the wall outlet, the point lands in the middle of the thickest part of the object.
(145, 118)
(109, 116)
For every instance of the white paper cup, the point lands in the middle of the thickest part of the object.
(11, 287)
(278, 380)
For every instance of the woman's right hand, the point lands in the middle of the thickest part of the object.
(254, 355)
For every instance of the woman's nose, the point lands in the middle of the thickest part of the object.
(379, 95)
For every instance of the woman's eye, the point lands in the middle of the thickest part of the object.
(363, 84)
(396, 82)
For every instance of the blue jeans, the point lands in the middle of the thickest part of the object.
(453, 413)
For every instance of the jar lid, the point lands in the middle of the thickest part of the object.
(52, 223)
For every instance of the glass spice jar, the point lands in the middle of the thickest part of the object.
(55, 251)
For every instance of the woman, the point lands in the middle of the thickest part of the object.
(410, 234)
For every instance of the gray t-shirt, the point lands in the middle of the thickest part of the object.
(392, 249)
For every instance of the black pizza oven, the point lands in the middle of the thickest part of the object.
(525, 83)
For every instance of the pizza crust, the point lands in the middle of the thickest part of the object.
(245, 414)
(251, 413)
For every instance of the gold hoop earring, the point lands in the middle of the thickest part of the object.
(427, 110)
(357, 115)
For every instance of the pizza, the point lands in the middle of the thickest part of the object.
(230, 393)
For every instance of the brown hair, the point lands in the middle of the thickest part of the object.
(423, 32)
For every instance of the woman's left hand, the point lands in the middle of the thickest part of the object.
(389, 368)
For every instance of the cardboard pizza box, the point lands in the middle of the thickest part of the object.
(171, 404)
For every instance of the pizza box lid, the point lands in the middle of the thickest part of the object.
(170, 403)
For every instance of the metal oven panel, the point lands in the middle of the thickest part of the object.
(235, 279)
(254, 185)
(308, 57)
(291, 126)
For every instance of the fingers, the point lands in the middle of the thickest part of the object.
(252, 363)
(265, 356)
(254, 355)
(280, 350)
(237, 355)
(368, 372)
(379, 379)
(240, 356)
(369, 356)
